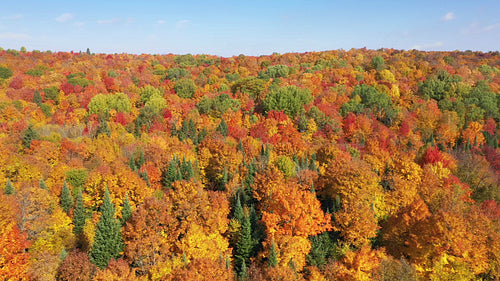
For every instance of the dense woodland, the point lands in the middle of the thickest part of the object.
(337, 165)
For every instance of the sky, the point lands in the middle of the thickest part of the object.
(230, 28)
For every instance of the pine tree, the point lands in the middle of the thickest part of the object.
(141, 160)
(79, 214)
(243, 271)
(222, 128)
(126, 210)
(273, 257)
(42, 184)
(66, 199)
(244, 246)
(9, 188)
(108, 238)
(170, 174)
(224, 179)
(37, 98)
(189, 171)
(238, 210)
(131, 164)
(29, 135)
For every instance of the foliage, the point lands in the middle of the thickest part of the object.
(290, 99)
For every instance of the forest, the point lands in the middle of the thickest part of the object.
(334, 165)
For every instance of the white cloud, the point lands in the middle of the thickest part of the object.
(14, 36)
(79, 24)
(449, 16)
(65, 17)
(491, 27)
(428, 46)
(130, 20)
(182, 24)
(108, 21)
(477, 28)
(161, 22)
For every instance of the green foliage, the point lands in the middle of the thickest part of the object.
(185, 60)
(52, 93)
(367, 97)
(218, 105)
(5, 72)
(79, 214)
(286, 165)
(147, 92)
(46, 109)
(249, 85)
(126, 210)
(222, 128)
(66, 199)
(156, 103)
(273, 256)
(275, 71)
(9, 188)
(76, 178)
(238, 210)
(244, 247)
(29, 135)
(100, 104)
(231, 77)
(34, 72)
(290, 99)
(321, 248)
(177, 73)
(112, 73)
(37, 98)
(185, 88)
(108, 242)
(378, 63)
(78, 79)
(42, 184)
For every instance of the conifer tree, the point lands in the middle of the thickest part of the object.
(108, 238)
(131, 164)
(79, 214)
(273, 257)
(141, 160)
(37, 98)
(170, 174)
(238, 210)
(244, 246)
(66, 199)
(222, 128)
(42, 184)
(224, 179)
(243, 271)
(9, 188)
(126, 210)
(29, 135)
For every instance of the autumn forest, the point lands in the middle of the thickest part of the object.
(337, 165)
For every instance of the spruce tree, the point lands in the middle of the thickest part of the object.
(238, 210)
(141, 160)
(170, 174)
(9, 188)
(243, 271)
(244, 246)
(126, 210)
(42, 184)
(79, 214)
(66, 199)
(108, 238)
(37, 98)
(131, 164)
(28, 136)
(222, 128)
(224, 179)
(273, 257)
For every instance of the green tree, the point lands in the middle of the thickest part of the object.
(378, 63)
(5, 73)
(273, 256)
(9, 188)
(42, 184)
(66, 199)
(170, 174)
(37, 98)
(185, 88)
(29, 135)
(126, 210)
(290, 99)
(245, 246)
(79, 214)
(108, 238)
(222, 128)
(238, 210)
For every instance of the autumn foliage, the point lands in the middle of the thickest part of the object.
(336, 165)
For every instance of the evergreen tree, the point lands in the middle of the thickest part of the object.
(244, 246)
(141, 160)
(131, 164)
(224, 179)
(189, 171)
(37, 98)
(243, 271)
(79, 214)
(42, 184)
(9, 188)
(126, 210)
(28, 136)
(145, 177)
(170, 174)
(108, 238)
(238, 210)
(273, 257)
(222, 128)
(66, 199)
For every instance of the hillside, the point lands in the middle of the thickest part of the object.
(342, 165)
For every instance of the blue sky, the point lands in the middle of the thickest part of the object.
(228, 28)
